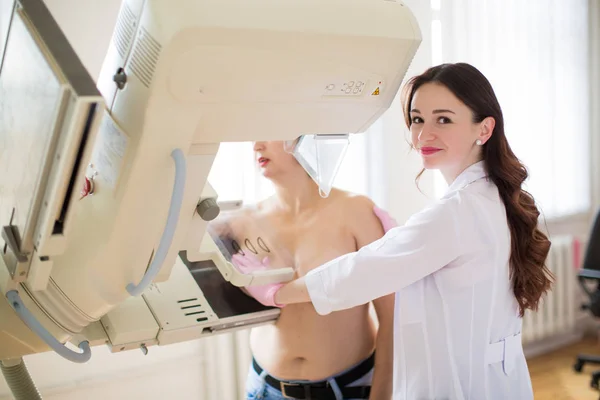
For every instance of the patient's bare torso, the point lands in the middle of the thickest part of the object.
(303, 344)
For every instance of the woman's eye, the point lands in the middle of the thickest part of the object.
(444, 120)
(417, 120)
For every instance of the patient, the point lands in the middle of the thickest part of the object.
(302, 345)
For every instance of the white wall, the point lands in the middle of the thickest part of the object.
(206, 369)
(129, 375)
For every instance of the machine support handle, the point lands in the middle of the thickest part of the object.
(170, 227)
(31, 321)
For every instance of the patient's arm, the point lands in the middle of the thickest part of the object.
(366, 228)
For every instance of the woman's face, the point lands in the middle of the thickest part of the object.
(273, 160)
(443, 131)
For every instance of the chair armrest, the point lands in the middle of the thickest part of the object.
(589, 274)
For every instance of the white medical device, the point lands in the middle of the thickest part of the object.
(104, 199)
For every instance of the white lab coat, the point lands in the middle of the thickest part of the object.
(457, 328)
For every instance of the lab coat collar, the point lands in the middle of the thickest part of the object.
(471, 174)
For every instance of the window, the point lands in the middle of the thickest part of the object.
(235, 176)
(535, 54)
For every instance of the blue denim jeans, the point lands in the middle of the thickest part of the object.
(258, 389)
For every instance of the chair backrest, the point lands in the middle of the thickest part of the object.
(592, 253)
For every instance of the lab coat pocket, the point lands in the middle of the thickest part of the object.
(411, 304)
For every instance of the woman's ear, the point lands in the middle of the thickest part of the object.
(486, 129)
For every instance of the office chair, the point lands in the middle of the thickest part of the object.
(591, 271)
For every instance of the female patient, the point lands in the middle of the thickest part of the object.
(332, 356)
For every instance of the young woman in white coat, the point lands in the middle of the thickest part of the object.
(463, 270)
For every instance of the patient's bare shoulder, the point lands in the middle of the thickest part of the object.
(353, 203)
(360, 218)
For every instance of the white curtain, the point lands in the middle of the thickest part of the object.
(535, 53)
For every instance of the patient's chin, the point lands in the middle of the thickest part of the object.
(268, 172)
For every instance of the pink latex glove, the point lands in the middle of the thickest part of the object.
(386, 219)
(264, 294)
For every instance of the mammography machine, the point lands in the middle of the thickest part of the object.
(104, 200)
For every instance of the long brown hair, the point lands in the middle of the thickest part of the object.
(531, 279)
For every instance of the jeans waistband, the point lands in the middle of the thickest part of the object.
(321, 389)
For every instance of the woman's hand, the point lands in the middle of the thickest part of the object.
(386, 219)
(264, 294)
(248, 264)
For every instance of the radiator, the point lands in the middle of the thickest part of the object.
(558, 311)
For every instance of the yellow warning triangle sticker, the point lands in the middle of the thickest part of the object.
(375, 92)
